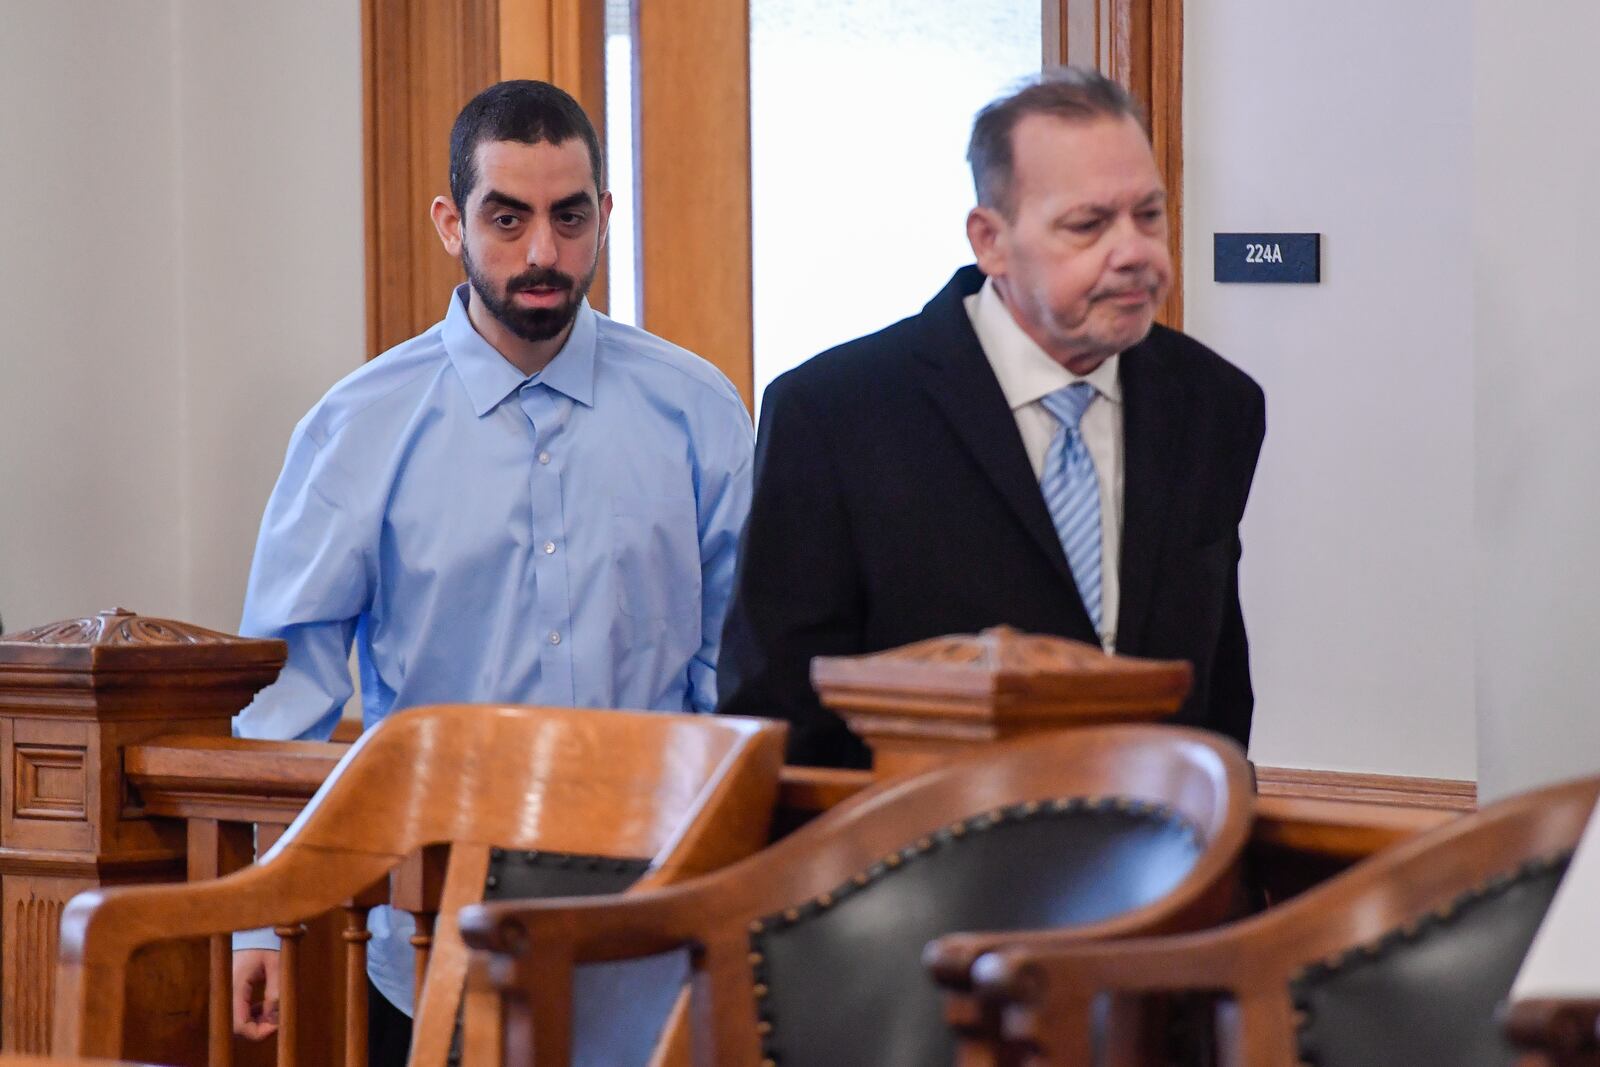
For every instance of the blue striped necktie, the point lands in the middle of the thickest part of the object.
(1072, 492)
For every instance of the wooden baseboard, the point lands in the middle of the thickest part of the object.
(1395, 791)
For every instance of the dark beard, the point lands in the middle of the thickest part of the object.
(530, 324)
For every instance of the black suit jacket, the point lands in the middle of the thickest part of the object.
(894, 501)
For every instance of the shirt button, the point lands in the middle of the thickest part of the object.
(544, 457)
(549, 548)
(555, 637)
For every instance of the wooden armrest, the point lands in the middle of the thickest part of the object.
(616, 926)
(1212, 960)
(1559, 1027)
(534, 947)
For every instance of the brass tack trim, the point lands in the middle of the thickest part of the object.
(861, 879)
(825, 900)
(924, 843)
(763, 1028)
(755, 959)
(792, 915)
(760, 990)
(757, 926)
(892, 859)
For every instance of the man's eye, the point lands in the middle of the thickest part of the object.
(505, 222)
(1152, 214)
(1086, 227)
(571, 218)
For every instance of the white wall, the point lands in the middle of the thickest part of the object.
(1353, 120)
(91, 494)
(1536, 160)
(274, 260)
(184, 277)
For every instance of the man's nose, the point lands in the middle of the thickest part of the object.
(1132, 248)
(541, 245)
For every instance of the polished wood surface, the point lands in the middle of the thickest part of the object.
(920, 705)
(1045, 991)
(73, 695)
(534, 944)
(1139, 44)
(688, 792)
(9, 1060)
(1556, 1032)
(694, 193)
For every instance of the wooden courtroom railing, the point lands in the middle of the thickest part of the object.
(118, 767)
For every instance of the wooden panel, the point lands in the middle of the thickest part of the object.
(51, 783)
(59, 750)
(32, 914)
(1139, 43)
(694, 149)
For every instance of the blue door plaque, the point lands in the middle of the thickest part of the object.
(1268, 257)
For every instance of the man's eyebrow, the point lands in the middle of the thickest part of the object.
(494, 196)
(567, 203)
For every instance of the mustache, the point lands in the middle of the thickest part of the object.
(1146, 286)
(540, 278)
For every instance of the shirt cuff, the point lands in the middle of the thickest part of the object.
(248, 939)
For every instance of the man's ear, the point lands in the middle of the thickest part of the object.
(986, 233)
(605, 218)
(447, 220)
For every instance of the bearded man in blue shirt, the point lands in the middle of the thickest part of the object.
(527, 503)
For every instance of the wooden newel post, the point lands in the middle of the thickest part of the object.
(73, 695)
(921, 704)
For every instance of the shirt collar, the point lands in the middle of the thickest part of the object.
(1026, 374)
(489, 378)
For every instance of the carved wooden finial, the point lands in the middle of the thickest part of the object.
(915, 704)
(120, 650)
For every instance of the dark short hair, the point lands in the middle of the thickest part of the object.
(527, 112)
(1071, 93)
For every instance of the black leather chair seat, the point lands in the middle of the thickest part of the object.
(840, 981)
(1428, 994)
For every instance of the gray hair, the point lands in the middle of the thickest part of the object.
(1071, 93)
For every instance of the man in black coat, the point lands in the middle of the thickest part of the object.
(1030, 449)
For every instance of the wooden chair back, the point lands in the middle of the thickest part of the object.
(683, 793)
(808, 952)
(1403, 959)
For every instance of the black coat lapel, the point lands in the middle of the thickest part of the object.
(1153, 424)
(962, 385)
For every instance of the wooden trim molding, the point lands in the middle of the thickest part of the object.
(693, 144)
(1439, 794)
(1139, 43)
(421, 61)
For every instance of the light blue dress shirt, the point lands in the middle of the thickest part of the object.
(564, 539)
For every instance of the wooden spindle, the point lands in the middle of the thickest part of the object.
(422, 943)
(356, 936)
(288, 992)
(215, 849)
(219, 1018)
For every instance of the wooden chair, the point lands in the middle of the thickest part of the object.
(808, 952)
(1401, 960)
(659, 795)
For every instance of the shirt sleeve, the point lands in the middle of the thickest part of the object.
(310, 582)
(724, 502)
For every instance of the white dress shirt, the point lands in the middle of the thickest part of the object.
(1026, 376)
